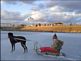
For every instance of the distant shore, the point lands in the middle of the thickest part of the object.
(57, 29)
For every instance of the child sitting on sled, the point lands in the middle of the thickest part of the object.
(57, 44)
(53, 50)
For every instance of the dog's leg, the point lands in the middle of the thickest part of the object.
(12, 47)
(23, 46)
(26, 49)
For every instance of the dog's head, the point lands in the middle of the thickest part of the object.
(10, 34)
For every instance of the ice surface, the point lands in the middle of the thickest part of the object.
(71, 47)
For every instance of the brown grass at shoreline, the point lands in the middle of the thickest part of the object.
(57, 28)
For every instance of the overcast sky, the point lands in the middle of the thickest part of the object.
(40, 11)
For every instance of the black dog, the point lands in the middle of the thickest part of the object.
(16, 39)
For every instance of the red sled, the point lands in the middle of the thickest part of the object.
(47, 51)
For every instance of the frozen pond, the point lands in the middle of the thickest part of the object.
(71, 47)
